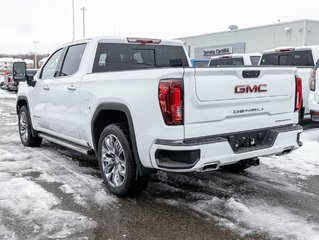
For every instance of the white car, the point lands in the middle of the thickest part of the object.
(138, 106)
(304, 58)
(236, 59)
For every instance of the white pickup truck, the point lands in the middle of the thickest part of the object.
(304, 58)
(237, 59)
(138, 106)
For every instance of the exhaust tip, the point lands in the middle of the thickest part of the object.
(210, 167)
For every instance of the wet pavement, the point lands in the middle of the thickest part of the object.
(259, 203)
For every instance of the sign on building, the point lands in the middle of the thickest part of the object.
(209, 52)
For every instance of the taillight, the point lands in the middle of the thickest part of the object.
(298, 93)
(9, 79)
(312, 79)
(170, 95)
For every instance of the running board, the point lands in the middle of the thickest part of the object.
(68, 144)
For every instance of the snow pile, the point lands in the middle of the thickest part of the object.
(276, 221)
(303, 162)
(251, 217)
(30, 203)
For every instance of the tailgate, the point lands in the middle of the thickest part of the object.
(227, 100)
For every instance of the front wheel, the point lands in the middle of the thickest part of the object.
(25, 129)
(117, 164)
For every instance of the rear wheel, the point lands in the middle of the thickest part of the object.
(117, 164)
(25, 129)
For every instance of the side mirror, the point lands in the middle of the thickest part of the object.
(30, 81)
(19, 72)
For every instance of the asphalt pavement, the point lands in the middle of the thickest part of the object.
(259, 203)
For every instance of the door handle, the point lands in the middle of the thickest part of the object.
(47, 88)
(71, 88)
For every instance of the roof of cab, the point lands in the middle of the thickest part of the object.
(300, 48)
(110, 39)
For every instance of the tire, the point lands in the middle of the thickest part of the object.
(117, 164)
(301, 114)
(25, 129)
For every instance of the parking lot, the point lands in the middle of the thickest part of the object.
(54, 193)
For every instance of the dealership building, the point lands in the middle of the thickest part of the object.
(255, 39)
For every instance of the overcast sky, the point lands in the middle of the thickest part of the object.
(50, 21)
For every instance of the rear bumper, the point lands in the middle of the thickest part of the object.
(198, 154)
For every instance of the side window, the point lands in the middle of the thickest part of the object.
(72, 59)
(50, 68)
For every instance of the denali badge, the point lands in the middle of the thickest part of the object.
(248, 110)
(251, 89)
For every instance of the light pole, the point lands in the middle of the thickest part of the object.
(83, 9)
(73, 21)
(35, 54)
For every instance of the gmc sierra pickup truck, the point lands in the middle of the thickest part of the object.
(138, 106)
(304, 58)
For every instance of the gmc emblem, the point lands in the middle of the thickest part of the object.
(251, 89)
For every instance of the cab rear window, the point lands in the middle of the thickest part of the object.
(226, 62)
(295, 58)
(121, 57)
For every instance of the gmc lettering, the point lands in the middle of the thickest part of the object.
(251, 89)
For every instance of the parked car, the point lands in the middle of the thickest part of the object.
(7, 81)
(238, 59)
(304, 58)
(199, 62)
(1, 80)
(138, 106)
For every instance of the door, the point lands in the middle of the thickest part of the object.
(41, 103)
(64, 91)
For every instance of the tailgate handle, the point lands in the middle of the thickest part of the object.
(251, 74)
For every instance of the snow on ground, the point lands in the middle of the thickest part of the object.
(25, 200)
(33, 205)
(6, 94)
(303, 162)
(249, 216)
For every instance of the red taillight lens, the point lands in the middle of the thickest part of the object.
(312, 80)
(170, 95)
(298, 93)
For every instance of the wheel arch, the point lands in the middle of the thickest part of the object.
(116, 112)
(22, 101)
